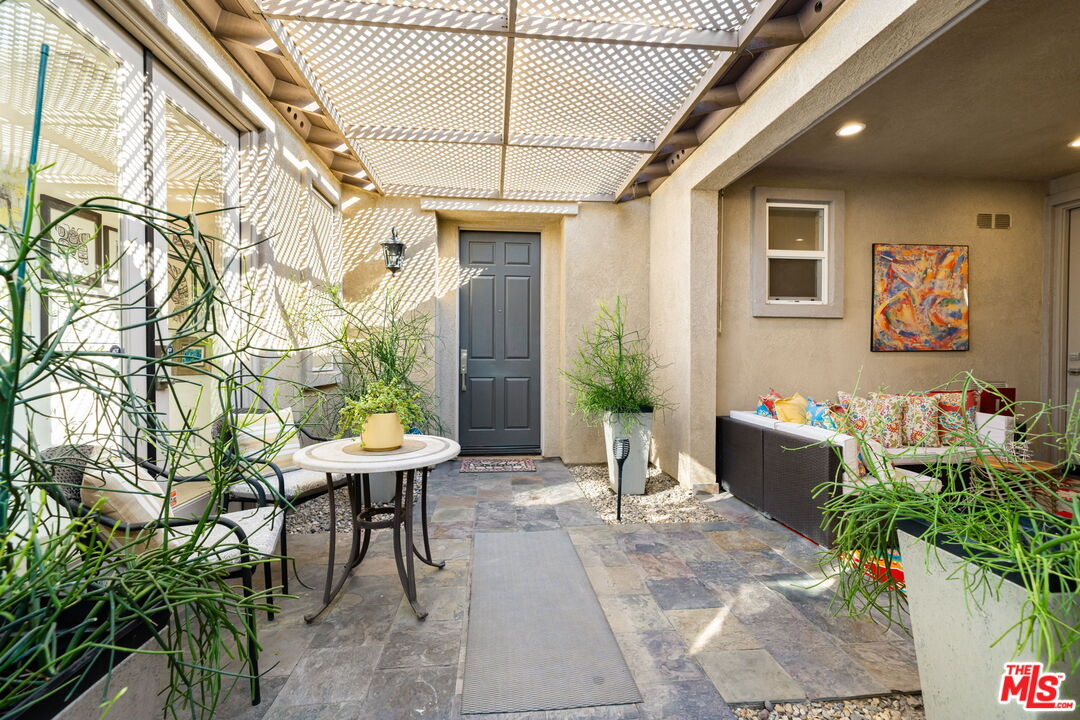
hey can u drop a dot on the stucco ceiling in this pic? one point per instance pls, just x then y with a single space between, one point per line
996 96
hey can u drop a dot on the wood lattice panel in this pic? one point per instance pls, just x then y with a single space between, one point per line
534 173
556 99
397 78
436 168
599 90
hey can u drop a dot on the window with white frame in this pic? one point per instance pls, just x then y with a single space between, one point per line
798 246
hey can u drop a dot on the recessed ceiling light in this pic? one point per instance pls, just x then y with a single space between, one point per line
1075 143
851 128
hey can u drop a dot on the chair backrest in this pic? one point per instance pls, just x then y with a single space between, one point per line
321 417
67 464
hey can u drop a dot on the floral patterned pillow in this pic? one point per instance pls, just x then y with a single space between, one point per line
921 421
887 419
855 412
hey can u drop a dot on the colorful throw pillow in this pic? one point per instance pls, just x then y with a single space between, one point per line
820 415
921 421
767 406
855 412
887 419
956 414
792 409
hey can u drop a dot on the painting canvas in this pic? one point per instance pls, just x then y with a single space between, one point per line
920 298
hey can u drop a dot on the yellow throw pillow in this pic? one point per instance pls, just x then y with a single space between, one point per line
792 409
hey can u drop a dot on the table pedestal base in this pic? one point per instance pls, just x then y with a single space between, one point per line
365 520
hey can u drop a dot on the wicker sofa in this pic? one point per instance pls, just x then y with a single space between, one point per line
776 466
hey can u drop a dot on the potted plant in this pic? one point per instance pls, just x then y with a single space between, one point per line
380 341
614 382
991 567
381 415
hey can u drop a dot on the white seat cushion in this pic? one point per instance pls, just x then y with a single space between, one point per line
297 484
753 418
927 455
261 525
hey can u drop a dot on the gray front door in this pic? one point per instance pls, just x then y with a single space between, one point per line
499 352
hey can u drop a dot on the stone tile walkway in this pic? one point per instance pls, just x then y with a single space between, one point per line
706 614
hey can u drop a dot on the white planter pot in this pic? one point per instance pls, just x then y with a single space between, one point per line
382 486
959 671
639 429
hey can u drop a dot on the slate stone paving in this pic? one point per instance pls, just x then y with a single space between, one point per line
707 614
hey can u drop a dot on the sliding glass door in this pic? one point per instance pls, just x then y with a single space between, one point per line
199 159
91 129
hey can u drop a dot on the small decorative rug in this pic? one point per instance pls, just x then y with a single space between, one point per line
538 638
485 465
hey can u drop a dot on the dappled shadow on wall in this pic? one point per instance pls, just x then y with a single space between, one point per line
424 276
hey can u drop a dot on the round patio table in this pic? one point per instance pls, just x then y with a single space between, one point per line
418 452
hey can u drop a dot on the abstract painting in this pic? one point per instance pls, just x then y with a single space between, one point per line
920 300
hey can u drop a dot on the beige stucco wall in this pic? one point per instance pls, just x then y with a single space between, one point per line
585 259
606 254
682 316
817 357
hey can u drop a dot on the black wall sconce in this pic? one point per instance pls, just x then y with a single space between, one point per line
393 252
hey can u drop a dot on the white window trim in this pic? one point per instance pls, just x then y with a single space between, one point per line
822 254
831 304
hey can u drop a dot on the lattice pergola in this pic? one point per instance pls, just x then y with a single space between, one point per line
517 99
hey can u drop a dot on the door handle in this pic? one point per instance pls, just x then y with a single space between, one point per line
1074 371
464 370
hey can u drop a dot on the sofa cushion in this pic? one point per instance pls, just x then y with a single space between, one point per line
956 413
927 455
792 409
887 419
121 490
767 405
921 421
820 415
856 412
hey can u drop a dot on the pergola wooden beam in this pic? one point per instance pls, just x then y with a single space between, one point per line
467 137
508 90
301 102
511 25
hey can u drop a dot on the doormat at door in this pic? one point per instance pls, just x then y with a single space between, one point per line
483 465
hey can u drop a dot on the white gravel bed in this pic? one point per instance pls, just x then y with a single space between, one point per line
890 707
664 501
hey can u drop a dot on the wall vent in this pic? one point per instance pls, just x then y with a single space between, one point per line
993 221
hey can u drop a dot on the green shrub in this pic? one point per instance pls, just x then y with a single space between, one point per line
615 370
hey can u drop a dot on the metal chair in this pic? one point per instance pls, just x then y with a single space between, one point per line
256 532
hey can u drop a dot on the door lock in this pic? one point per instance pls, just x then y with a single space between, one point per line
464 370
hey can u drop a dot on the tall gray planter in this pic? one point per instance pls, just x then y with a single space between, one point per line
638 428
959 671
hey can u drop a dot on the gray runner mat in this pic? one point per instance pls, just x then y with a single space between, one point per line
538 638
